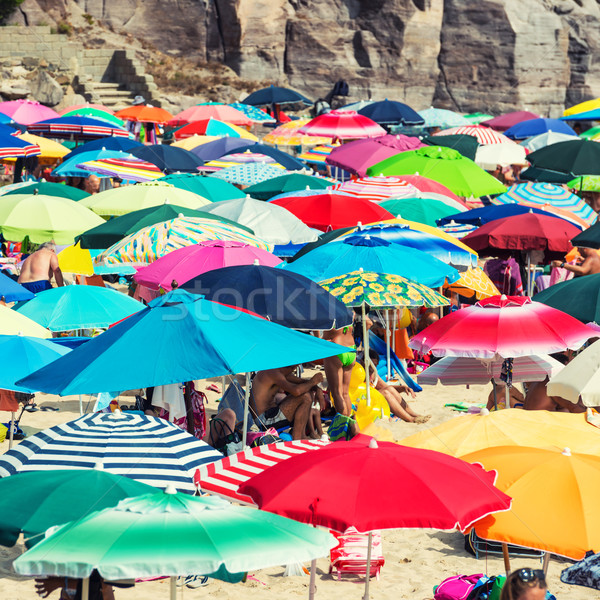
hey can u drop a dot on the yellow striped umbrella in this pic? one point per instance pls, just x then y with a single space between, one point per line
287 135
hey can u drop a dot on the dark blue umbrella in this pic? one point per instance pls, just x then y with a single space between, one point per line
281 296
217 148
276 95
11 291
390 112
108 143
168 159
284 159
481 216
532 127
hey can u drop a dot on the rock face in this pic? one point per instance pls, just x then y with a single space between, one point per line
490 55
46 90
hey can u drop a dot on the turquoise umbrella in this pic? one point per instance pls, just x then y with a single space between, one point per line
442 118
211 188
254 113
78 307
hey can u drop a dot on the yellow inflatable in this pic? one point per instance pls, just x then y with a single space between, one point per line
404 318
365 415
357 378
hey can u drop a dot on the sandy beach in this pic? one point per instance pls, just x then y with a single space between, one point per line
416 560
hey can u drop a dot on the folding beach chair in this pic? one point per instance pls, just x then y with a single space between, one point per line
350 555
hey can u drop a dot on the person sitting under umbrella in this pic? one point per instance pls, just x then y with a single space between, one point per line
525 584
589 266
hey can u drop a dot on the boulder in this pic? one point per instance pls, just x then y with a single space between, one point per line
46 90
14 90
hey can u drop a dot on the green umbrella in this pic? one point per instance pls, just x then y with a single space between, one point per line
90 111
126 199
545 175
49 188
478 117
585 183
577 157
588 238
31 503
465 144
213 189
446 166
173 534
44 218
590 133
286 183
419 210
110 232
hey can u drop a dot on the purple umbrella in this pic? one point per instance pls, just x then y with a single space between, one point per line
504 122
217 148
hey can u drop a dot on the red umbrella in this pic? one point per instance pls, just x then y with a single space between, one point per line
342 125
201 112
333 211
506 121
505 326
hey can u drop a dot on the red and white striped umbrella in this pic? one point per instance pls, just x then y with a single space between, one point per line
379 187
484 135
342 125
225 476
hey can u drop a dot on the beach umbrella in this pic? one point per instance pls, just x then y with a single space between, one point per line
126 199
585 183
533 127
48 188
144 114
126 167
146 449
270 222
11 146
43 218
13 323
545 175
110 143
212 189
391 112
212 127
318 154
189 262
210 110
78 307
279 295
474 282
342 125
11 291
477 117
74 259
429 187
218 147
167 158
288 134
588 115
249 173
377 188
490 156
545 139
420 210
31 503
258 151
152 242
444 165
442 118
95 113
510 119
80 165
86 106
577 157
77 127
484 135
591 133
290 182
582 107
50 150
381 256
588 238
502 326
569 524
26 112
511 427
178 337
467 145
256 115
276 95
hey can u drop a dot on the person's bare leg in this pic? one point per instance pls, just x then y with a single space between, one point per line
334 374
346 376
401 408
297 410
216 430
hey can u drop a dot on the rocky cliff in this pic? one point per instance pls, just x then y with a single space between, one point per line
489 55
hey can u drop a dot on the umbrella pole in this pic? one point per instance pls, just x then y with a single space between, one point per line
312 589
506 397
173 587
189 409
366 353
85 588
246 409
80 405
546 562
495 397
506 558
529 274
388 335
12 425
368 579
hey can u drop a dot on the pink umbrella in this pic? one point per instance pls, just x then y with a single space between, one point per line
356 157
342 125
186 263
504 122
429 187
27 112
484 135
221 112
381 188
504 326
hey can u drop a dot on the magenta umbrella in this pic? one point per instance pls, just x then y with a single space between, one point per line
342 125
504 122
357 156
27 112
186 263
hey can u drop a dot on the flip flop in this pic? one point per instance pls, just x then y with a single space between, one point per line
214 388
31 408
50 408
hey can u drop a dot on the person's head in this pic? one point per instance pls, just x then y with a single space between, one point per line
92 184
525 584
117 182
51 246
585 252
373 356
378 329
428 317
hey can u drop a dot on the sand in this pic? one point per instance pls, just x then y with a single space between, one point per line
416 560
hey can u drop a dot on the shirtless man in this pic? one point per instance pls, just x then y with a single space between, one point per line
293 409
38 268
589 266
92 184
537 398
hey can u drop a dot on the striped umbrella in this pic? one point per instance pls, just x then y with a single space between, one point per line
255 114
210 110
130 169
544 194
150 243
318 154
78 127
439 117
484 135
342 125
225 476
12 146
236 159
249 174
140 447
288 135
377 187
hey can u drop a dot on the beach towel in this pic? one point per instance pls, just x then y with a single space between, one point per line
586 572
505 275
170 398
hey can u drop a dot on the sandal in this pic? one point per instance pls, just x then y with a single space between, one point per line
49 408
31 408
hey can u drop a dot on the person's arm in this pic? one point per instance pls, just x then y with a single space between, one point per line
584 269
296 389
56 271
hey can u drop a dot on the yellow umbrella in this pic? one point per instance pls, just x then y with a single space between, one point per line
194 141
14 323
243 133
474 281
555 499
287 135
511 427
74 259
582 107
51 150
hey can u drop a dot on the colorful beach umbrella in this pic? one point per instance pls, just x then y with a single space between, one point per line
510 119
144 114
474 281
11 146
249 174
533 127
256 115
420 210
391 112
74 259
582 107
318 154
167 158
288 134
96 113
477 117
85 106
261 152
210 188
290 182
110 143
26 112
428 187
578 297
50 150
215 148
585 183
439 117
211 110
12 323
484 135
577 157
48 188
127 168
377 188
77 127
342 125
11 291
80 165
212 127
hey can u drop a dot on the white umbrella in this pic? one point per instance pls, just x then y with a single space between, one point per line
508 153
546 139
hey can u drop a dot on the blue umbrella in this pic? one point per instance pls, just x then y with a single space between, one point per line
276 95
77 126
210 188
390 112
217 148
78 307
177 337
588 115
68 168
442 118
378 255
284 159
481 216
531 127
109 143
12 146
11 291
168 159
279 295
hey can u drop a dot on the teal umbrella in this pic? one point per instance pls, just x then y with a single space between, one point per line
207 187
78 307
49 188
419 210
292 182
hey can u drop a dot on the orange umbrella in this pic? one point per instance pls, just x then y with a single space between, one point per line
145 114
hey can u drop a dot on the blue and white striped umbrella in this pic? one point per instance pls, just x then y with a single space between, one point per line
143 448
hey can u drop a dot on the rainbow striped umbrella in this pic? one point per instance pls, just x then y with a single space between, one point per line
150 243
288 135
379 187
484 135
249 173
130 169
318 154
538 194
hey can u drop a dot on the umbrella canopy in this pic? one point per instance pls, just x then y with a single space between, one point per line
50 150
377 188
484 135
288 134
421 210
577 157
168 158
13 323
276 95
222 112
11 291
217 147
444 165
74 259
532 127
429 186
126 199
333 211
189 262
31 503
44 218
144 114
490 156
585 183
78 165
212 127
178 337
22 355
125 167
467 145
279 295
582 107
381 290
478 117
258 151
589 238
508 120
545 139
525 232
26 112
390 112
78 307
147 449
578 297
48 188
345 484
152 242
164 533
110 143
474 282
439 117
256 115
546 175
332 260
96 113
569 524
342 125
291 182
213 189
271 223
77 127
502 326
12 146
249 173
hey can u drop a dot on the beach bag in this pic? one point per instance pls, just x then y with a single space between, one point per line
458 587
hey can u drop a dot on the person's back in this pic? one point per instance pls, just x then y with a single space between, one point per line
38 269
